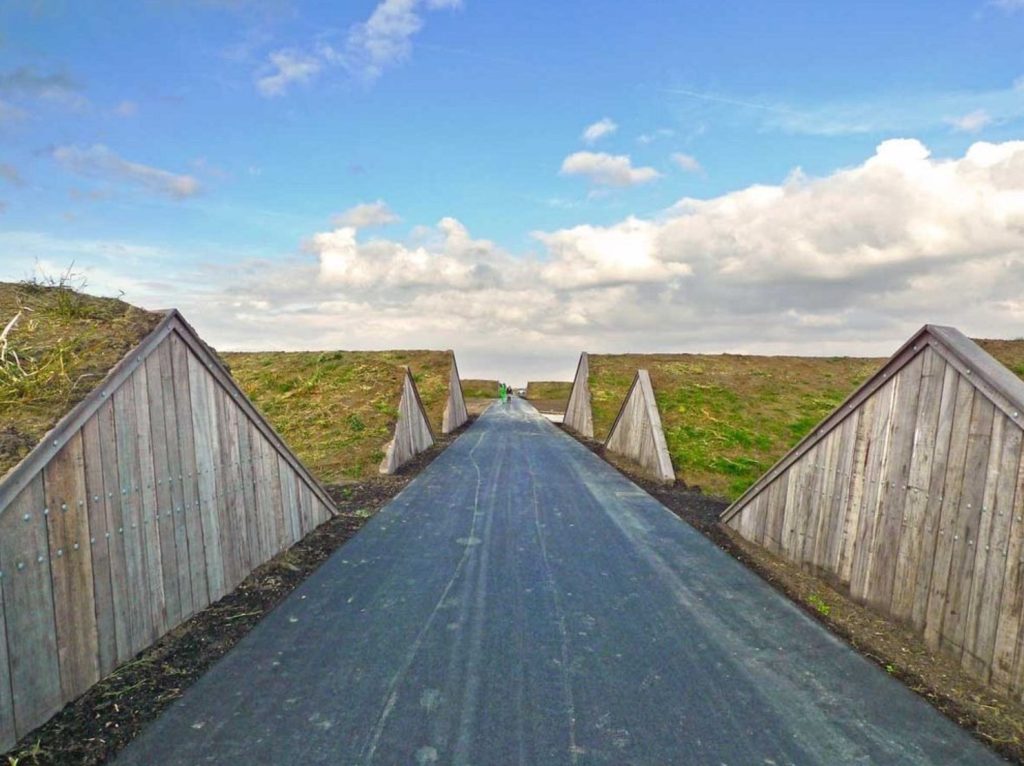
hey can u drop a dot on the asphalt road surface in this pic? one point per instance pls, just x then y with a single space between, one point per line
521 602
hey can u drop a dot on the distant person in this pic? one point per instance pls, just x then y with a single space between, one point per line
503 393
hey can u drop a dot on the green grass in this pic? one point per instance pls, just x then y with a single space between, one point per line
337 409
62 345
549 389
728 418
480 389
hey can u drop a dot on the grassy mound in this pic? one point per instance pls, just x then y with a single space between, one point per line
729 418
337 409
480 389
62 345
549 395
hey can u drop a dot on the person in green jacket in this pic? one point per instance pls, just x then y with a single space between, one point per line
504 393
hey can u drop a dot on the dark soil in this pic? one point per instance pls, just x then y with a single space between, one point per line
989 716
96 726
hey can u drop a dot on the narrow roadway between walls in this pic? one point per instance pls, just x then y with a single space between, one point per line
521 602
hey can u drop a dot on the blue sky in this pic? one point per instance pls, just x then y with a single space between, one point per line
195 153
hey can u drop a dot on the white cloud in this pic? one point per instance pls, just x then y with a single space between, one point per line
650 138
851 262
286 68
382 41
972 122
1009 5
99 162
686 162
452 259
365 215
607 169
598 130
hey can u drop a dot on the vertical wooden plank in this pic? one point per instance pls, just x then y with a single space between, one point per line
145 498
792 510
276 466
878 444
894 479
933 502
826 498
285 499
8 731
227 481
290 490
99 545
776 513
207 450
120 582
1011 608
841 504
968 519
175 484
74 604
250 515
160 516
265 513
923 452
865 416
28 609
282 525
949 508
190 476
991 562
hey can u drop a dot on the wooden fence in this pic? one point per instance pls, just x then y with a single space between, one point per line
911 495
150 500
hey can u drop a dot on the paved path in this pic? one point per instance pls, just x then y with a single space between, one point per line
523 603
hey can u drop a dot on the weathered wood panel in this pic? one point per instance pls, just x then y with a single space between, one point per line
911 495
147 502
74 606
28 609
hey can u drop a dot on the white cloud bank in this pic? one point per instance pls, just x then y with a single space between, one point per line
848 263
366 215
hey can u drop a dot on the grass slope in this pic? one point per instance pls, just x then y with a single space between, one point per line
63 344
548 389
473 388
337 409
728 418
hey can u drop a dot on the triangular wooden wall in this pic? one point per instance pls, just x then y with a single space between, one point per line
911 494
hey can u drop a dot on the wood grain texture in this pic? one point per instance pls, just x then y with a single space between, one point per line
28 609
912 496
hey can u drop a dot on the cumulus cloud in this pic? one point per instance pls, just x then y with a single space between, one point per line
287 67
365 215
607 169
598 130
449 257
99 162
972 122
851 262
686 162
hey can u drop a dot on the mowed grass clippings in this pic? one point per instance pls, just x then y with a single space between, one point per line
728 418
337 409
61 347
